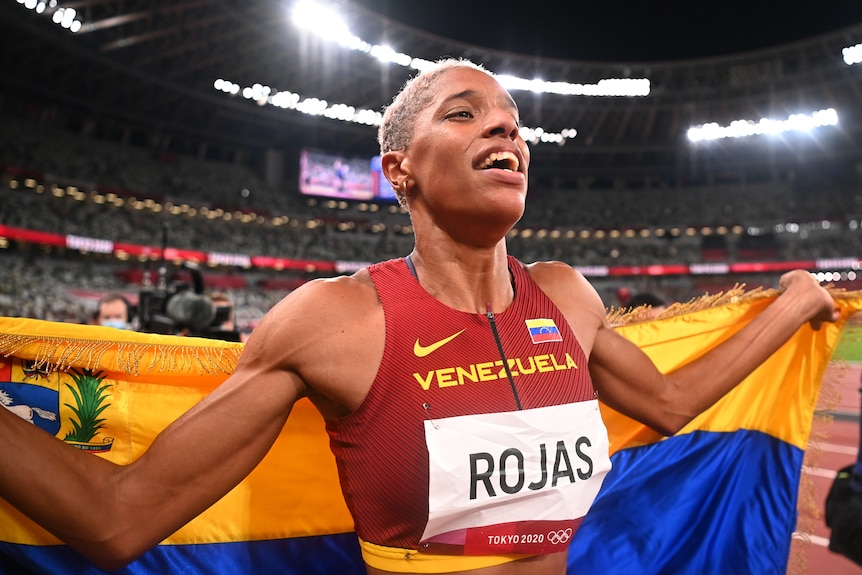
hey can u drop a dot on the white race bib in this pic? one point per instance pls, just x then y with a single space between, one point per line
514 482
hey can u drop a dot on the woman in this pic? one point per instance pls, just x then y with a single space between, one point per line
465 378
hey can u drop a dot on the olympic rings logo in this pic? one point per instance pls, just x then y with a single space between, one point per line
560 537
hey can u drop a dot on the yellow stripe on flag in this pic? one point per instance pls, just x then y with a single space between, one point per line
153 379
760 402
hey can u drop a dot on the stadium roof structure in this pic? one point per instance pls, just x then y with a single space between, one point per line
151 67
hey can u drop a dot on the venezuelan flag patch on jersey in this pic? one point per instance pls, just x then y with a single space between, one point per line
543 330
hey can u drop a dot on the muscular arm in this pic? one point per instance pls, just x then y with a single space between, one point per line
627 379
113 513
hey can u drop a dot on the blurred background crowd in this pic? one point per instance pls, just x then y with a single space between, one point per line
124 153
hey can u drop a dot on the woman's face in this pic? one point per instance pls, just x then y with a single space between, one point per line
467 159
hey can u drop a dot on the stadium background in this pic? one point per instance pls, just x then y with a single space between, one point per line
115 144
127 106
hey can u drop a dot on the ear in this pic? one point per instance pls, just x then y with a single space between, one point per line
392 166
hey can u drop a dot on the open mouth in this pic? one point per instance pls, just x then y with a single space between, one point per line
502 161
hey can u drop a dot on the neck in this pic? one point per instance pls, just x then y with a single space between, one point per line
467 285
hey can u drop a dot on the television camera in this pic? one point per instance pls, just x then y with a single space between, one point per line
178 307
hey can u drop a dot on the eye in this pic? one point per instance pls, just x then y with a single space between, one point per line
459 115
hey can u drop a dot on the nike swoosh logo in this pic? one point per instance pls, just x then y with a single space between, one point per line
420 350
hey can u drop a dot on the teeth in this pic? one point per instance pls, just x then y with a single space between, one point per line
509 160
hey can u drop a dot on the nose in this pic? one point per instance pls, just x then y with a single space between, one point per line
502 123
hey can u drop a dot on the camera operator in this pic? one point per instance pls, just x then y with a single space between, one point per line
184 309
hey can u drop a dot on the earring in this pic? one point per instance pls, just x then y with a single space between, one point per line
404 185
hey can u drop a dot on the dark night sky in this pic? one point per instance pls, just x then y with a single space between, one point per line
619 30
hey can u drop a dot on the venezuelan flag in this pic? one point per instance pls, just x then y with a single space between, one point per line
543 330
719 497
287 516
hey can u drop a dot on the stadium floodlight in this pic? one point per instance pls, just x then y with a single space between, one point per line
65 17
765 126
536 135
327 24
286 100
320 20
387 54
852 54
605 87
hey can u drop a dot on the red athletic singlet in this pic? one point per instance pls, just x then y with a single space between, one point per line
441 363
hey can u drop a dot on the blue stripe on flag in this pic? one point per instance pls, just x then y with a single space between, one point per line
323 555
701 503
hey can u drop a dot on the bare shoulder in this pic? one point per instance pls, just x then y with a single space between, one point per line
328 335
552 271
339 296
560 280
574 295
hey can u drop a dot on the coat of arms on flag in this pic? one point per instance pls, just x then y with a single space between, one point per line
70 404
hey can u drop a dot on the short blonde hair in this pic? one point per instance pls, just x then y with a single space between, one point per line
396 131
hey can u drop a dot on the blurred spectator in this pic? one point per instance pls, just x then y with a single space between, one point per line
624 294
115 311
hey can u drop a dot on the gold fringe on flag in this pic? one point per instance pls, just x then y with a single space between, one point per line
52 346
628 315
